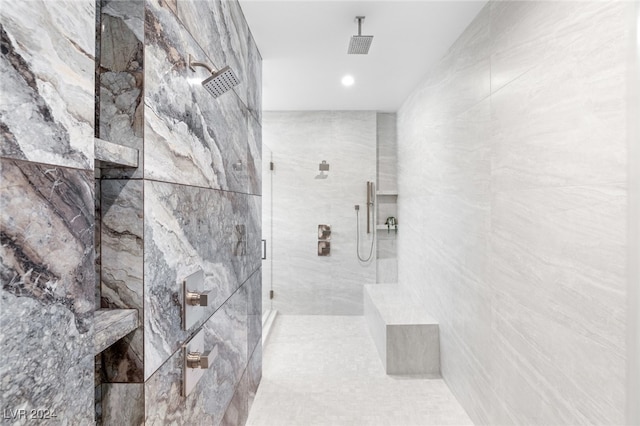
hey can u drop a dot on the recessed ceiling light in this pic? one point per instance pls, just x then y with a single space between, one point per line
347 80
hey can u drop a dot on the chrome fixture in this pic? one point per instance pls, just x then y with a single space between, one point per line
324 248
324 240
371 216
359 44
197 299
370 197
391 221
194 298
195 361
221 81
324 232
323 167
198 360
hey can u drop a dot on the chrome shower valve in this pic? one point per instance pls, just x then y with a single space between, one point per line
198 360
197 299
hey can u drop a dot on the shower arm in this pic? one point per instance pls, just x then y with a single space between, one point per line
193 63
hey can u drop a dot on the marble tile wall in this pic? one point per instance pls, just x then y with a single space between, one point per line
513 205
121 73
47 209
154 222
201 208
47 296
223 34
178 242
123 404
119 119
254 312
45 77
212 133
254 155
303 282
254 371
122 269
226 337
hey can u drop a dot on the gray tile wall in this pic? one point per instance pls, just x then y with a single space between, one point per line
47 263
512 195
197 209
202 207
194 202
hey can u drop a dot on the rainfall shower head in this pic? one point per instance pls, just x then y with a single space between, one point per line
359 44
221 81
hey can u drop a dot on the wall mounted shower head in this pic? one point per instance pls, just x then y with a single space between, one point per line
220 81
359 44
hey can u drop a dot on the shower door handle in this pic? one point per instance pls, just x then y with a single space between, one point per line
264 249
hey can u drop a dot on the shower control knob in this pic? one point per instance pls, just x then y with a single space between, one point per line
198 299
198 360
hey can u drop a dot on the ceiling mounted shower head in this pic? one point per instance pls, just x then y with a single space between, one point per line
220 81
359 44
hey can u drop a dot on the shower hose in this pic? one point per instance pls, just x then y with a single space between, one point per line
373 238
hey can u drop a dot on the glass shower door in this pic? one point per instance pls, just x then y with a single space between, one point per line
267 229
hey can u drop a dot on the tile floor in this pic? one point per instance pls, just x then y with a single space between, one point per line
324 370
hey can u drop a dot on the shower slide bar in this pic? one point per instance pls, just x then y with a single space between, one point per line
370 195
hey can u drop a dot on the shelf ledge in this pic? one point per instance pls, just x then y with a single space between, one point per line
387 193
112 325
112 154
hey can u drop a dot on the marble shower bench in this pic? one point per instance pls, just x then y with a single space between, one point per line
407 339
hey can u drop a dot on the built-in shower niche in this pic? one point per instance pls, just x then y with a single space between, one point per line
115 320
119 337
119 221
387 225
115 317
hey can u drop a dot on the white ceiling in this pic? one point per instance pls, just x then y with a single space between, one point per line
304 49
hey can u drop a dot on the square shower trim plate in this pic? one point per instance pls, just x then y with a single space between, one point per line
194 283
191 376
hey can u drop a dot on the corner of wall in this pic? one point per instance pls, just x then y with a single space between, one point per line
633 214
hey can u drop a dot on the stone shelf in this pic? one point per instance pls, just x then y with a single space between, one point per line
392 230
112 325
111 154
